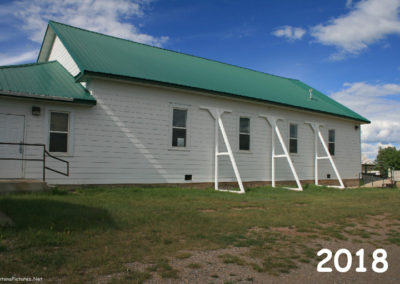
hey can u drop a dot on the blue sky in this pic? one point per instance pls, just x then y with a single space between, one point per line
346 49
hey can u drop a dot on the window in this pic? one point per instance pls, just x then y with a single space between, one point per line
179 131
244 133
331 142
59 132
293 138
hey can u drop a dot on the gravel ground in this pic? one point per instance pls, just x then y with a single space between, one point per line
209 266
213 270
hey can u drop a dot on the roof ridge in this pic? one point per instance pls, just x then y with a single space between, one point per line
169 50
27 64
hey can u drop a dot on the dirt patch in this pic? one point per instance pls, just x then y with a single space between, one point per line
257 230
206 210
208 267
286 231
381 221
291 231
373 229
248 208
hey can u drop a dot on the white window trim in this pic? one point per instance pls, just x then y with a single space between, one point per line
334 142
70 144
288 131
173 106
250 117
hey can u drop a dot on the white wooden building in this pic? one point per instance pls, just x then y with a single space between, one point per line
126 113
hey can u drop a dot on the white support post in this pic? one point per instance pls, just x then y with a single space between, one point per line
317 134
272 120
272 155
216 155
217 114
315 158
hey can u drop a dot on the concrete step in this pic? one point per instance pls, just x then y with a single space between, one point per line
21 185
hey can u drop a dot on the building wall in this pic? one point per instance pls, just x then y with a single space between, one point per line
59 52
126 138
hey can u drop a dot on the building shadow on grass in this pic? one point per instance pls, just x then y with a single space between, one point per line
44 214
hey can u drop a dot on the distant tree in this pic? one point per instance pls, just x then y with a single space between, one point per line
387 158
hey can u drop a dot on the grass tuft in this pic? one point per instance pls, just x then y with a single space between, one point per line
136 277
183 255
194 265
163 268
228 258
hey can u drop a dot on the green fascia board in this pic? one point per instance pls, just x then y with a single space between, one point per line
102 54
48 81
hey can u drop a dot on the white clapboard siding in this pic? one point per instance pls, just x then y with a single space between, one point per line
59 52
126 138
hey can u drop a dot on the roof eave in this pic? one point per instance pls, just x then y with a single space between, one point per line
85 74
46 97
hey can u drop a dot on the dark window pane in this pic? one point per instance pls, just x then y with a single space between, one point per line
244 142
59 121
178 137
58 142
332 148
293 130
244 125
293 146
179 118
332 135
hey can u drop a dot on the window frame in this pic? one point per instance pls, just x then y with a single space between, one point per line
332 142
242 133
290 138
68 132
173 106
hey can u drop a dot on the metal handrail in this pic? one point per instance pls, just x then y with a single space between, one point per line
43 160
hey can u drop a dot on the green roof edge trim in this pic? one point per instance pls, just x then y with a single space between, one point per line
41 46
26 64
81 76
47 98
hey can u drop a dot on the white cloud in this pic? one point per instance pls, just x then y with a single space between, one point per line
379 103
349 3
370 150
20 58
368 22
291 33
108 17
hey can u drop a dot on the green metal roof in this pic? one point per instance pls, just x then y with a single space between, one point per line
107 55
42 81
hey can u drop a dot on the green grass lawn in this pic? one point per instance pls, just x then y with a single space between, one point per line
77 236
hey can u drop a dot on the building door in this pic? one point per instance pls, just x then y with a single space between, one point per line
11 130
